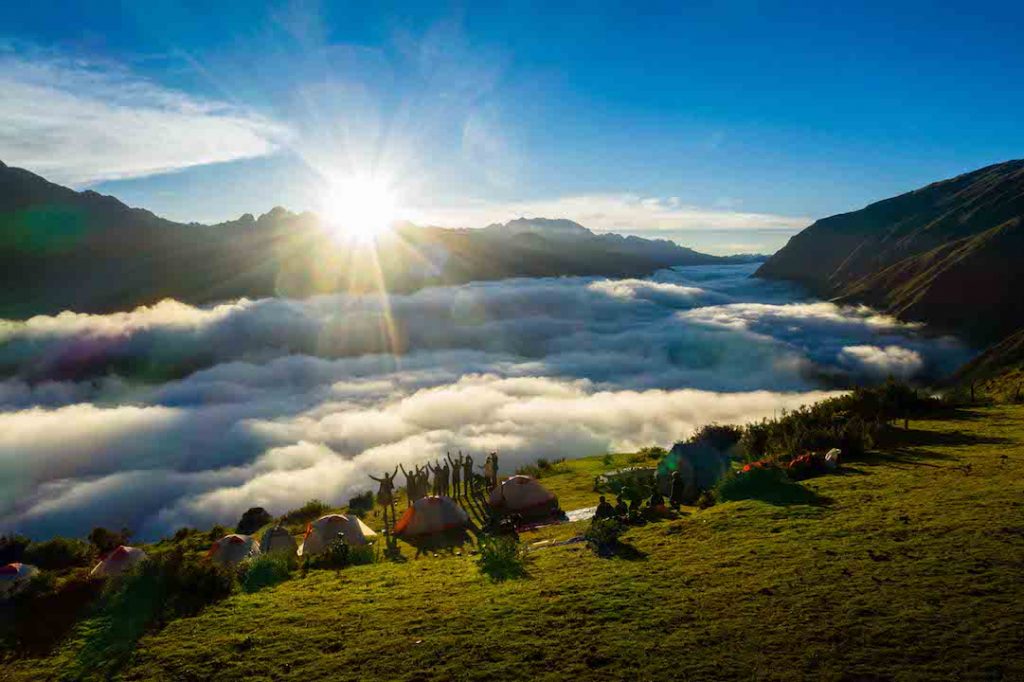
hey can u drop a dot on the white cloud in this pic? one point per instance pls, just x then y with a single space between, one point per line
621 212
79 122
276 401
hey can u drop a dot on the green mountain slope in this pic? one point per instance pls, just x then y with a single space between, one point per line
947 254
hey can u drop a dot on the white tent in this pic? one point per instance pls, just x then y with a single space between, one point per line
523 495
430 515
231 549
321 532
14 577
278 540
118 561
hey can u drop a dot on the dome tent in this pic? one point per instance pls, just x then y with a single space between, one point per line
118 561
277 540
320 532
431 515
523 495
231 549
700 466
15 577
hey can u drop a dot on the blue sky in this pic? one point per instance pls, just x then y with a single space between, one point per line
723 125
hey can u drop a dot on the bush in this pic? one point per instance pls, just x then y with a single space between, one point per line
766 483
360 555
104 540
603 535
164 587
854 423
361 504
216 533
58 554
336 555
721 437
12 548
501 557
706 500
265 570
252 520
310 511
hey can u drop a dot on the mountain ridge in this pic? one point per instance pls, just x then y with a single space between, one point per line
66 250
947 254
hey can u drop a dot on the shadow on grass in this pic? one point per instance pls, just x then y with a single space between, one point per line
920 437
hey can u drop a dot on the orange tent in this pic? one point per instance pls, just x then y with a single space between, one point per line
118 561
231 549
14 577
430 515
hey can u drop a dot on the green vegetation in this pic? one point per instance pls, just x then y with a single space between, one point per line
906 564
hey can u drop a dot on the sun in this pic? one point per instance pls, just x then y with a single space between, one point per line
360 209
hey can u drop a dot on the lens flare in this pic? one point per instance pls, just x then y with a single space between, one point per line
359 209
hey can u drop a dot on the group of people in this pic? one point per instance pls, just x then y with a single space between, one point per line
655 504
451 477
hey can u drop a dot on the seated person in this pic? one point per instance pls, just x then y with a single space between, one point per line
604 510
621 510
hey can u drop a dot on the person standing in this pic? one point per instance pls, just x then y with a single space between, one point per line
456 465
467 472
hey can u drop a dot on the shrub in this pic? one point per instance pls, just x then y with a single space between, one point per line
310 511
722 437
265 570
603 535
360 555
104 540
336 555
608 460
706 500
854 423
58 553
361 504
501 557
216 533
750 484
12 548
252 520
529 470
166 586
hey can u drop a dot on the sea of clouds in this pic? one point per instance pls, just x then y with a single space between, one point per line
175 415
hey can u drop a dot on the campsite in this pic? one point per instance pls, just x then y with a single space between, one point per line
907 558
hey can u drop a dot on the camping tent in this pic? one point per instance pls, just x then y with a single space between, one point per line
320 533
700 466
523 495
278 540
231 549
118 561
14 577
430 515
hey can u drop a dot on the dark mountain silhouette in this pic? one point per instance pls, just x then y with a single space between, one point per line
67 250
948 254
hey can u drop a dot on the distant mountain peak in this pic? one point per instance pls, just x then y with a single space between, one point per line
561 227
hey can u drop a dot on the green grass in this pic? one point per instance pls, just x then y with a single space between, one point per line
909 565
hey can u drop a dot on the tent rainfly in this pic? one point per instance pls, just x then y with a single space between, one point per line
278 540
523 495
14 578
431 515
118 561
231 549
321 532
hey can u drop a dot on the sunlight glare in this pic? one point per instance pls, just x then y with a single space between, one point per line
359 209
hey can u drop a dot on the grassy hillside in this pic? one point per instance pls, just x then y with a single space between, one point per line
905 566
947 254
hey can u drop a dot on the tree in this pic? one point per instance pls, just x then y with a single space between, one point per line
252 520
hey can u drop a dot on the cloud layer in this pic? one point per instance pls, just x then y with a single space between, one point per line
173 415
77 122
